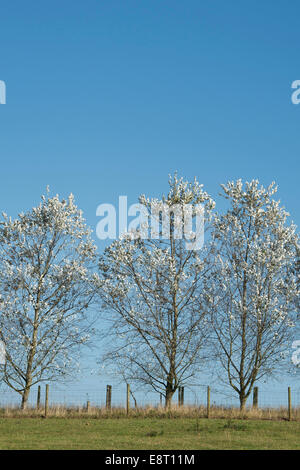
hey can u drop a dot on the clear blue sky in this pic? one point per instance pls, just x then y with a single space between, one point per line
107 97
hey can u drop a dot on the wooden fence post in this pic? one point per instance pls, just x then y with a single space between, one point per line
128 399
38 400
180 396
255 397
289 404
88 406
46 401
108 397
160 399
208 401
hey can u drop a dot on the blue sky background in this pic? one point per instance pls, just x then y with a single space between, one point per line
107 97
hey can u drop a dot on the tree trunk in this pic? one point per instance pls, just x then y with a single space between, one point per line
28 378
169 395
243 400
28 381
25 396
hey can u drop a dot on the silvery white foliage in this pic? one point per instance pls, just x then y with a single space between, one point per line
149 289
46 256
182 192
252 290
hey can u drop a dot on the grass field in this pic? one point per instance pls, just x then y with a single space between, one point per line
147 433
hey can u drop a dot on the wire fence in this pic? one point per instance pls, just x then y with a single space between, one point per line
117 396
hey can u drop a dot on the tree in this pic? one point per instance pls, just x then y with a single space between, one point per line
295 359
45 259
252 289
297 274
148 287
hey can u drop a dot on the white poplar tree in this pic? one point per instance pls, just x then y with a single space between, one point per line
46 256
148 288
252 290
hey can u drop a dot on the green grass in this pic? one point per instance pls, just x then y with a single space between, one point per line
147 433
